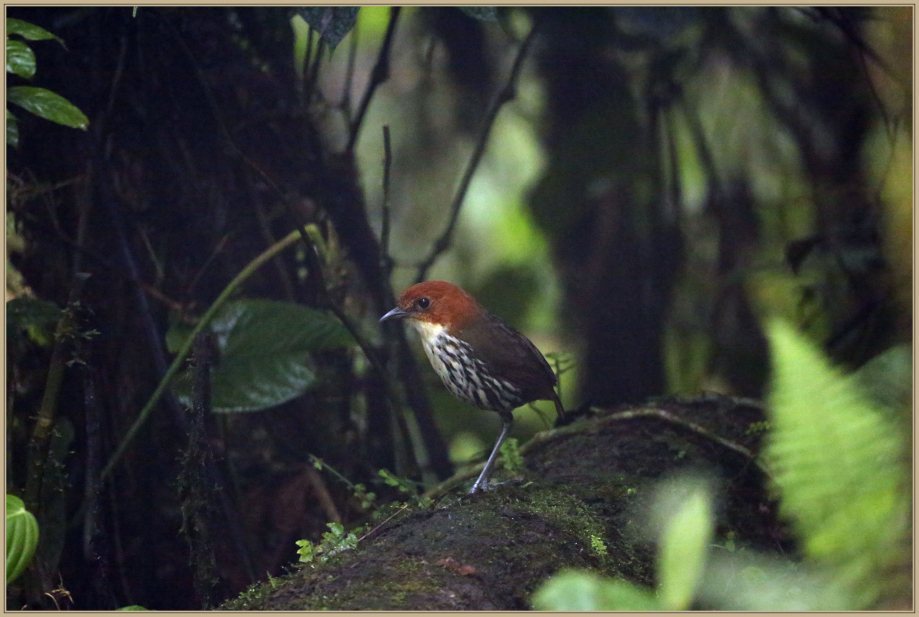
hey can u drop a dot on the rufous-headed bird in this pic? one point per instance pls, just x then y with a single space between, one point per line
481 360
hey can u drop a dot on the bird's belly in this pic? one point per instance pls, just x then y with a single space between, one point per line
467 378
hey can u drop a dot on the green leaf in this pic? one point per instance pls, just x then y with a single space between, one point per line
482 13
573 590
20 59
307 550
264 347
29 31
12 130
47 105
133 607
840 464
332 23
683 548
21 537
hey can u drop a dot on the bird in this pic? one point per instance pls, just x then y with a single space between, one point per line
480 359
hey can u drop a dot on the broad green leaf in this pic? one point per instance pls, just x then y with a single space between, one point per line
20 59
21 537
29 31
48 105
482 13
132 607
264 347
683 548
573 590
12 130
332 23
838 462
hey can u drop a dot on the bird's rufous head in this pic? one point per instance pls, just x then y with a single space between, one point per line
435 302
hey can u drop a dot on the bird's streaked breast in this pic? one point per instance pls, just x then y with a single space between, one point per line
464 375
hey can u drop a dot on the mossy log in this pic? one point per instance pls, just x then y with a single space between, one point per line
580 504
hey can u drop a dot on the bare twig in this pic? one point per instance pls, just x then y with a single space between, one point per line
313 78
387 262
388 518
322 493
307 59
501 97
345 102
379 75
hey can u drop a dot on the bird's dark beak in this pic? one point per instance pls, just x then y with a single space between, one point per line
396 313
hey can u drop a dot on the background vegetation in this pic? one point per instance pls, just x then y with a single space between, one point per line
644 186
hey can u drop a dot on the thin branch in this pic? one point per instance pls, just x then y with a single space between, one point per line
322 493
388 518
304 78
506 94
379 75
345 102
387 261
313 78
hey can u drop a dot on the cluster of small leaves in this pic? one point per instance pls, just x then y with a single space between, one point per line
406 486
360 491
333 542
20 60
513 460
598 545
758 427
366 498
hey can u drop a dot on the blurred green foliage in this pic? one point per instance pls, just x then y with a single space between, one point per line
840 467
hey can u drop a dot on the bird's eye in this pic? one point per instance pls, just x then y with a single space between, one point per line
423 303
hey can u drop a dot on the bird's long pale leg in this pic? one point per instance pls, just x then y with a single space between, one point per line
486 472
